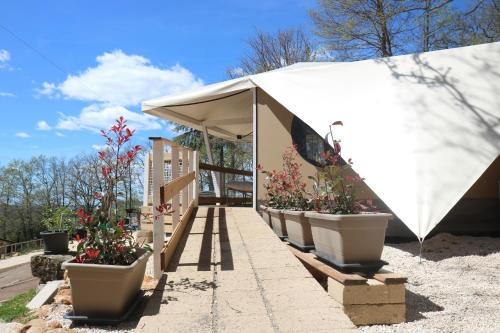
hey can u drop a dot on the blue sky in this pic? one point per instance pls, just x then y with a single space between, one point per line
116 53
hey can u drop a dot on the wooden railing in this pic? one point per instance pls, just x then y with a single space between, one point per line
224 198
185 183
12 249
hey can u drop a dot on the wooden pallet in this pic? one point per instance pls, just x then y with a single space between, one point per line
367 300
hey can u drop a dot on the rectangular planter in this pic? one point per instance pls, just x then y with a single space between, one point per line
345 239
265 215
105 291
298 229
278 222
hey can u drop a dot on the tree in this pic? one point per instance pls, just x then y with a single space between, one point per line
482 22
438 25
362 29
267 52
365 29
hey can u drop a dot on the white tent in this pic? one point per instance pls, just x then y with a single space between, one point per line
420 128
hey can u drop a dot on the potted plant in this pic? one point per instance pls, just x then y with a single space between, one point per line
58 224
265 214
287 196
274 185
109 266
345 231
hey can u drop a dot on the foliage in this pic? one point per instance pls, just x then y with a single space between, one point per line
366 29
15 308
236 155
285 188
56 219
29 187
107 241
268 52
335 183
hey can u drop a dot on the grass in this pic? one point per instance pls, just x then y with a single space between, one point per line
15 308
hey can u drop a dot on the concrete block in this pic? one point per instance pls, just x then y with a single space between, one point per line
44 295
370 314
373 292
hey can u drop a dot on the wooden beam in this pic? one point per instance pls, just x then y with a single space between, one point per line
211 167
174 195
169 249
185 189
196 184
224 200
312 263
169 190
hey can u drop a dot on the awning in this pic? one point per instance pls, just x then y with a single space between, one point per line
421 129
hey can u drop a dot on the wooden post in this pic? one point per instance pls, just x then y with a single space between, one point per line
175 174
158 228
191 169
196 184
145 197
185 164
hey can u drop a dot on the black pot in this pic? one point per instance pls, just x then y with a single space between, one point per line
55 242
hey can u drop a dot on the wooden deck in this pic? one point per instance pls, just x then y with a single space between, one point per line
230 273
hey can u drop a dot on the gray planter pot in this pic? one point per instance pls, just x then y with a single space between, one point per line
105 291
265 215
278 222
55 242
298 229
346 239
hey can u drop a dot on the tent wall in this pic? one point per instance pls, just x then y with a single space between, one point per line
478 212
274 124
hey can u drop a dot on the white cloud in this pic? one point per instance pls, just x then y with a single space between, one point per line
23 135
4 59
6 94
236 72
98 116
47 89
59 134
42 125
122 79
99 147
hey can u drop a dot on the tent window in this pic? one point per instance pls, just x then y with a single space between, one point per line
310 144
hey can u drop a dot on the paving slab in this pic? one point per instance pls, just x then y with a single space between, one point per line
231 273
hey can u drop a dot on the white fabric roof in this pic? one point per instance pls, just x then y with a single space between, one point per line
420 128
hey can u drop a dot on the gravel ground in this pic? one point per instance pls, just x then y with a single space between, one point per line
455 288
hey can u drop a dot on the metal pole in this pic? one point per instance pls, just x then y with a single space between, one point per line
211 161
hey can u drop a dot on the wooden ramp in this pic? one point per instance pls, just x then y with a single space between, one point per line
230 273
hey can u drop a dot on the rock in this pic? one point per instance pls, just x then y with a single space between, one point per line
36 329
36 323
54 324
48 266
43 311
63 296
14 328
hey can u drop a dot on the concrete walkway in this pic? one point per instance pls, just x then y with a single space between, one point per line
13 262
232 274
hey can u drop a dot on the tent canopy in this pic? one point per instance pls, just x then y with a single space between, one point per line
420 128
